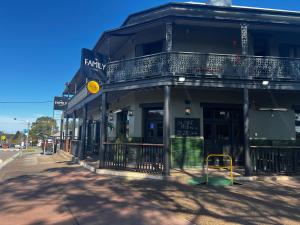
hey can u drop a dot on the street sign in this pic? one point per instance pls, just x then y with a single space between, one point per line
3 137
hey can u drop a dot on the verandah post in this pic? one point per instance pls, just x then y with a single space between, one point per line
248 170
82 153
103 128
166 129
245 51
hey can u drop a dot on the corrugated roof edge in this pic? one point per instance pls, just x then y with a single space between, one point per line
211 6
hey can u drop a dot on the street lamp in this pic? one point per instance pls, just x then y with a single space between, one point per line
27 135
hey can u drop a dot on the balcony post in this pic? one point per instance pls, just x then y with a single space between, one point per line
248 170
244 39
102 130
82 153
166 129
169 37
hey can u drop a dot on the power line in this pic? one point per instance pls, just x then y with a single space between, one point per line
27 102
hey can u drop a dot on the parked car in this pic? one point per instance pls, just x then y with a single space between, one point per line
11 146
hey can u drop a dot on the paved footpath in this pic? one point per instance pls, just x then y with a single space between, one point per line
43 190
7 153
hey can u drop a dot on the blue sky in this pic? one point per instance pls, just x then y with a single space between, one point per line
40 44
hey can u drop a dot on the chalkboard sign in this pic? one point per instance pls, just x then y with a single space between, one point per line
187 127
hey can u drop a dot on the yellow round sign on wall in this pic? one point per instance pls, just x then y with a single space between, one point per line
93 87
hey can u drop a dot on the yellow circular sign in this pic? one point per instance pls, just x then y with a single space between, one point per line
93 87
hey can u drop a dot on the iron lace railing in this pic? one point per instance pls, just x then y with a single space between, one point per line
193 64
275 159
148 158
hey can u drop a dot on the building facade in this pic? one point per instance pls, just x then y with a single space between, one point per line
184 80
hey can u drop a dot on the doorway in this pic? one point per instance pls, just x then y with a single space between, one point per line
153 125
223 133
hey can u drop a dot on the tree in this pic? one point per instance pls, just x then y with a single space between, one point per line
42 128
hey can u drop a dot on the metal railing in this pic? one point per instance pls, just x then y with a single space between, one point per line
148 158
275 160
197 64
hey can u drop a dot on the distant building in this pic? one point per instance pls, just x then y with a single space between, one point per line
185 80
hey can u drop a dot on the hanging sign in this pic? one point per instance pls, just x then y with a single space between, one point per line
93 87
93 65
60 103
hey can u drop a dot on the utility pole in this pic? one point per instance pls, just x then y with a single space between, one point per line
27 135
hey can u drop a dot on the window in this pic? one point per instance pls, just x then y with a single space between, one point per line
153 123
297 124
261 47
292 51
149 48
122 124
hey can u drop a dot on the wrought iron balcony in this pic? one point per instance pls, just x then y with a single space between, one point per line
196 65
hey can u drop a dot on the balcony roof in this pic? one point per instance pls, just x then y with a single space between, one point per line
194 10
201 9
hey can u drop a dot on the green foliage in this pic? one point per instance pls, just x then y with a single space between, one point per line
42 128
17 138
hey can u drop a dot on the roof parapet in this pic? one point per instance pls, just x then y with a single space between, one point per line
224 3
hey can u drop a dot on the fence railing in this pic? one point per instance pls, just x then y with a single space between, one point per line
148 158
198 64
275 160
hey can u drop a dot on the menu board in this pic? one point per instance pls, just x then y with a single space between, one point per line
187 127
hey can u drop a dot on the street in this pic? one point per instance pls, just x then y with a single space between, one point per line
43 189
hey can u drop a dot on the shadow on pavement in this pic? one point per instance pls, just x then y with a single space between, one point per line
94 199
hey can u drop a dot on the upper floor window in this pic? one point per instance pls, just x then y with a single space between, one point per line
261 47
149 48
287 50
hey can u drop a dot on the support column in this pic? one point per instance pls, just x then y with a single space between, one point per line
61 133
66 147
248 170
73 128
166 129
169 37
103 128
82 152
245 52
75 153
244 39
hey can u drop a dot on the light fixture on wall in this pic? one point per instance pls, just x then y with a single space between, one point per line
273 109
181 79
130 113
117 111
188 109
265 82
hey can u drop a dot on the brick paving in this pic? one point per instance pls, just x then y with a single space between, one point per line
42 190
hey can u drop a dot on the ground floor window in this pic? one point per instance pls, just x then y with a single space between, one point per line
153 125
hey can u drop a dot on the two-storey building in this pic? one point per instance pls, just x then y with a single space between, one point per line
185 80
